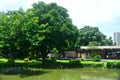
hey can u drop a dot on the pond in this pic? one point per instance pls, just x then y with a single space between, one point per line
66 74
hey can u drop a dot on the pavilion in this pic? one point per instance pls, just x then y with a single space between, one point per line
106 52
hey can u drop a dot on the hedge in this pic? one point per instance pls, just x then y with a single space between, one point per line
70 64
114 64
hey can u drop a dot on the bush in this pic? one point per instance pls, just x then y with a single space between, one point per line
82 59
24 64
113 64
118 65
11 60
50 61
97 58
110 64
26 59
75 63
93 64
1 57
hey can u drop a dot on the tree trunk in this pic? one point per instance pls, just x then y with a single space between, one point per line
43 59
32 53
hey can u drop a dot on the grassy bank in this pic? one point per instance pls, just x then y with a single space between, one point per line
50 63
58 69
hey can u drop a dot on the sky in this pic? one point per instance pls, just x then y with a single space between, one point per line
104 14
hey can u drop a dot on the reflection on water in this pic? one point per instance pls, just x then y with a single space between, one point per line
69 74
89 74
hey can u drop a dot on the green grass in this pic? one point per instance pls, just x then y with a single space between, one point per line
113 60
3 60
62 61
17 61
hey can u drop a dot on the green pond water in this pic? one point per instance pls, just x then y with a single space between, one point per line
66 74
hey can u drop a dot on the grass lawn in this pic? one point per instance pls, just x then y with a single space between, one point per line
113 60
17 60
3 60
62 61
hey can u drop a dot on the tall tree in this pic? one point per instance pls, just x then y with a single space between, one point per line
91 35
55 26
39 29
11 26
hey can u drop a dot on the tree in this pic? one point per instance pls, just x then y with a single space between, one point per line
91 35
10 27
56 27
38 30
6 34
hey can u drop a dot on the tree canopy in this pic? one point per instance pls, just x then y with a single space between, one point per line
92 36
40 29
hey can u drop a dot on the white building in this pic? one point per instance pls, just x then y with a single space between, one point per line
117 38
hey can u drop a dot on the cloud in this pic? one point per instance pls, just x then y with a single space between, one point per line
9 5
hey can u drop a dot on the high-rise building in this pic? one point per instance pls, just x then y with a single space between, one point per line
117 38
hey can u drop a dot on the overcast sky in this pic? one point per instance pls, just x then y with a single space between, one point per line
104 14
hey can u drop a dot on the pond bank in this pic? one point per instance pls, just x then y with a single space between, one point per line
56 64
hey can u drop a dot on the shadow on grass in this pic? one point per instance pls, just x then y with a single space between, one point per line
22 71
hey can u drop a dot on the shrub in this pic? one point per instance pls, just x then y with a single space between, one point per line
89 56
75 63
1 57
81 59
110 64
97 58
11 60
113 64
93 64
50 61
26 59
118 65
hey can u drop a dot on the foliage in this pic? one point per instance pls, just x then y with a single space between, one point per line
93 43
55 51
11 61
92 36
90 56
50 63
82 59
92 64
26 59
73 62
43 28
113 64
36 31
22 64
93 57
97 57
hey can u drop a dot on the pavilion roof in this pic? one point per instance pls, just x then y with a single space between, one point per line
100 47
